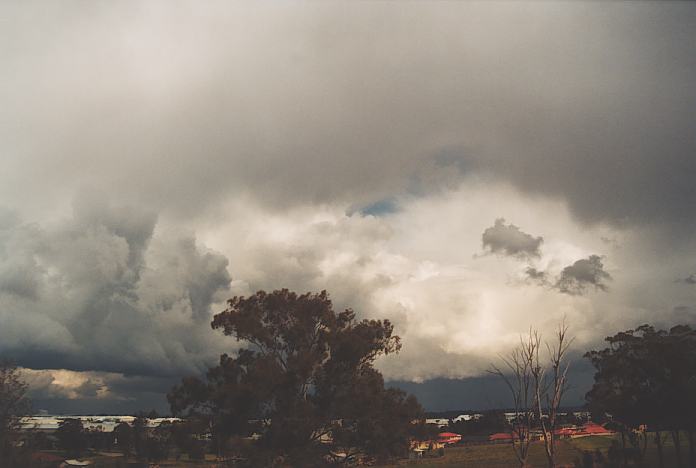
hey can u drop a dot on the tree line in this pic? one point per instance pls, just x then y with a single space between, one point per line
645 384
303 391
644 388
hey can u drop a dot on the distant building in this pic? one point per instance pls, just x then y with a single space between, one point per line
45 423
449 438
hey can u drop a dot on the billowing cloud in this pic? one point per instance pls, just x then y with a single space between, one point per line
508 239
94 392
584 274
361 148
98 292
64 384
453 310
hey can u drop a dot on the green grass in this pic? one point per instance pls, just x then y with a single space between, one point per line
569 450
592 443
482 456
495 456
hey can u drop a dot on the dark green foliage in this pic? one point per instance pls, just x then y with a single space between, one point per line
305 385
146 443
488 423
72 437
13 404
646 379
184 436
124 438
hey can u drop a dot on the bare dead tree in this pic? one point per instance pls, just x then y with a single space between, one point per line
536 389
550 389
517 373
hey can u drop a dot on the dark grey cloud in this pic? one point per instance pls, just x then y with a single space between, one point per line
508 239
98 292
683 315
584 274
181 111
96 392
536 276
300 112
577 279
691 279
486 392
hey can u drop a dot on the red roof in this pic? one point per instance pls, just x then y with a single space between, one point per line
500 436
448 434
594 429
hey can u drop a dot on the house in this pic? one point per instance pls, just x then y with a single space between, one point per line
592 429
468 417
500 437
426 445
448 438
439 422
565 432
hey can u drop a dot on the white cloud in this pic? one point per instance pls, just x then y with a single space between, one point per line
419 267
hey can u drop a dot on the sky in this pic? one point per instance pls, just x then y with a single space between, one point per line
466 170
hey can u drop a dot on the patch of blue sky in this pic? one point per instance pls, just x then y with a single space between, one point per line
380 208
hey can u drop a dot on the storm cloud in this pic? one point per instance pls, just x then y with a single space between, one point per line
96 291
313 111
159 157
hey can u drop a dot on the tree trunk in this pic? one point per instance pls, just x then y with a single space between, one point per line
548 447
623 448
552 451
658 442
692 451
677 446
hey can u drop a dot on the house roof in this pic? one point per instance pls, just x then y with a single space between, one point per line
595 429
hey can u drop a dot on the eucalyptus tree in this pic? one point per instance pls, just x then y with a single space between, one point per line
304 377
646 378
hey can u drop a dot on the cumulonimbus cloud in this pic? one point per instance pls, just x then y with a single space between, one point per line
98 291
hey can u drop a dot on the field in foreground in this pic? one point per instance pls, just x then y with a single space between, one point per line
474 456
502 456
569 452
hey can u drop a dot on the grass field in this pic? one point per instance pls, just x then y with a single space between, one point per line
569 451
498 456
475 456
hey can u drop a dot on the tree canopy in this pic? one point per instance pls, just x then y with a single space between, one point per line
304 383
14 403
72 436
647 377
